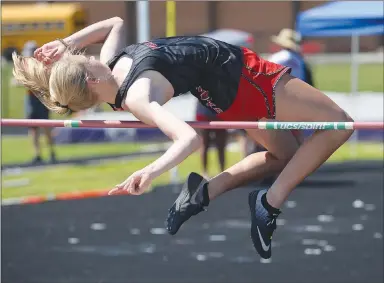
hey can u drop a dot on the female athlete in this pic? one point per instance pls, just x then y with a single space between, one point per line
233 82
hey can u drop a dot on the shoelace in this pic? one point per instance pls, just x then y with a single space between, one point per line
272 219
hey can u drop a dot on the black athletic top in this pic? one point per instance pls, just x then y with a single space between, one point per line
208 68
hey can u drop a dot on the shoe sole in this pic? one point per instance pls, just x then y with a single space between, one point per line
252 197
193 180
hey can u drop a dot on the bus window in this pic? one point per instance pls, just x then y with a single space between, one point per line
35 26
47 26
60 25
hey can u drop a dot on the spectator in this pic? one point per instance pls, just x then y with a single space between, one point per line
290 55
218 137
36 110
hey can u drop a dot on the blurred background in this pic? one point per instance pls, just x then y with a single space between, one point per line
338 47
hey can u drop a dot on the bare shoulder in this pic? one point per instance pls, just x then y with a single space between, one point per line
122 68
153 85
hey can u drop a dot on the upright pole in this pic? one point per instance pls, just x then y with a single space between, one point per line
354 64
143 21
5 89
354 85
295 10
171 31
171 18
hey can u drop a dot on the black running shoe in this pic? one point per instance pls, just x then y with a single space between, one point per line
191 201
263 224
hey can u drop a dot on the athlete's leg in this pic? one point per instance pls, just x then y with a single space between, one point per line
295 101
281 146
298 101
197 192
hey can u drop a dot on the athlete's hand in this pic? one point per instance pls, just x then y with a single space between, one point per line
136 184
50 52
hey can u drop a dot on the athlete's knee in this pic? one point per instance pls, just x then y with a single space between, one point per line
280 161
285 153
347 118
342 116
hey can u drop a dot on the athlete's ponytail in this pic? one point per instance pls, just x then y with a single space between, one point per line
61 87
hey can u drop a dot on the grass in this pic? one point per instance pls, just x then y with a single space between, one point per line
107 174
19 149
337 77
328 77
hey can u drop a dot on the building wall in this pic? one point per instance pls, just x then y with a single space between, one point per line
191 17
262 19
101 10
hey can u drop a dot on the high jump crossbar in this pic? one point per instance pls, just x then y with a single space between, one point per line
270 125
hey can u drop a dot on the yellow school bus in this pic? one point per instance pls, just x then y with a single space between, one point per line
42 22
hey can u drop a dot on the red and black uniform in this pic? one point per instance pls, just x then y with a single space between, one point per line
232 82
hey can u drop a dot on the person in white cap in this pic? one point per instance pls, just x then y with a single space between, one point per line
290 54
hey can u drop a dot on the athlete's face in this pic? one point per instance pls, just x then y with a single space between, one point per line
100 80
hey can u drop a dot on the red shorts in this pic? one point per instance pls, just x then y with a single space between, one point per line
255 98
203 118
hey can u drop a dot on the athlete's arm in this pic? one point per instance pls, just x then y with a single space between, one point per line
144 100
111 32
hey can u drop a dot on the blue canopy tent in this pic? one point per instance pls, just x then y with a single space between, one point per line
344 18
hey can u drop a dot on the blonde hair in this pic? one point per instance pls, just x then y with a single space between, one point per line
60 87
